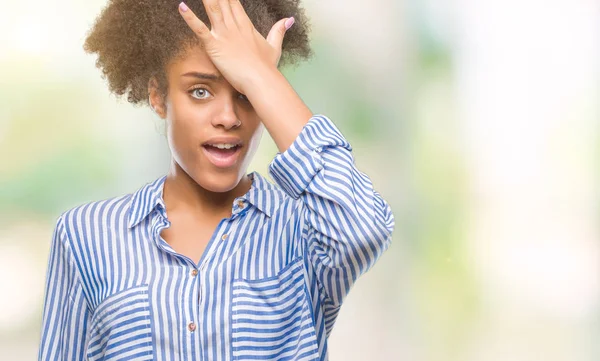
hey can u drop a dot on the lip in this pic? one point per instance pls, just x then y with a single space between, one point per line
224 140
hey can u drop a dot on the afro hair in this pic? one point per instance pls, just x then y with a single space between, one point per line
135 39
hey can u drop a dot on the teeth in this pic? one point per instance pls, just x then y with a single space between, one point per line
223 146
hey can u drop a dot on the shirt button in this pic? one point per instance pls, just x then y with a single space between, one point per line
241 204
194 272
192 327
224 237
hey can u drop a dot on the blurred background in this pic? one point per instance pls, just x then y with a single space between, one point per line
477 120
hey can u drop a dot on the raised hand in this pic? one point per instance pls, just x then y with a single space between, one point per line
236 48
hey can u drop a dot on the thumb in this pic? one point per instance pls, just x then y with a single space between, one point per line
275 36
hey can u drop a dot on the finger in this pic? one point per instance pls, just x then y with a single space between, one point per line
214 12
239 14
228 19
275 36
197 26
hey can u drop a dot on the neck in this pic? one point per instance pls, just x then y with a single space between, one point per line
182 193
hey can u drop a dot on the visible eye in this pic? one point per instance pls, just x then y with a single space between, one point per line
200 93
243 97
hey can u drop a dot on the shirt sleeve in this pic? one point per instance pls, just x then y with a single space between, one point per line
349 224
66 315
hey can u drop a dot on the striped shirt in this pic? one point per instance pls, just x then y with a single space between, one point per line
269 285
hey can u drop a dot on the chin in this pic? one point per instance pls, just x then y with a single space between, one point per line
219 181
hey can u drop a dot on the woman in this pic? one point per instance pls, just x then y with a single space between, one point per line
208 262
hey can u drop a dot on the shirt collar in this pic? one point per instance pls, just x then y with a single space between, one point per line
145 199
262 194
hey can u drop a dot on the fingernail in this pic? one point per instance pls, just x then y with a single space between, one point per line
289 22
183 6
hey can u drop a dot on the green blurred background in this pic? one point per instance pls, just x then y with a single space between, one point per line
477 120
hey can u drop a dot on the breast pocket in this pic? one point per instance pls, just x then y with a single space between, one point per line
271 318
121 327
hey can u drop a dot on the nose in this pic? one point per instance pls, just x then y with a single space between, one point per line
226 117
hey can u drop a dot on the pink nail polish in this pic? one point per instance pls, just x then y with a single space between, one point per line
289 22
183 6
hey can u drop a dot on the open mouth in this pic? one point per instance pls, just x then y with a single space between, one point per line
222 155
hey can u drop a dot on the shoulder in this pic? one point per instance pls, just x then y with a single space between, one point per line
112 213
90 216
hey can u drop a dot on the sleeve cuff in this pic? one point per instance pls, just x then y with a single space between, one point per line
294 169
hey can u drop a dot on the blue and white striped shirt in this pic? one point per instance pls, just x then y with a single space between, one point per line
268 286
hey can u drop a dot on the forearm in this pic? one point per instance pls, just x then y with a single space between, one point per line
282 111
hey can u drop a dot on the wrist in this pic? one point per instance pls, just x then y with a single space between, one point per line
261 77
274 99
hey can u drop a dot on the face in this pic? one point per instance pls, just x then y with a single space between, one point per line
212 129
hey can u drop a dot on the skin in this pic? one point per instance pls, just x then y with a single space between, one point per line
233 60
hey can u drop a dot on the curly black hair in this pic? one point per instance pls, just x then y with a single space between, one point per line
135 39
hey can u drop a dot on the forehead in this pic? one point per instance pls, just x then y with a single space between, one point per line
193 59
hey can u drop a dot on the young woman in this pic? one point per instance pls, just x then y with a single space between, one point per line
208 262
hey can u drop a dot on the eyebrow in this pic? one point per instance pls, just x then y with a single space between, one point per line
206 76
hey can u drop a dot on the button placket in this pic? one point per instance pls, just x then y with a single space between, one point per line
214 245
200 285
192 314
195 283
